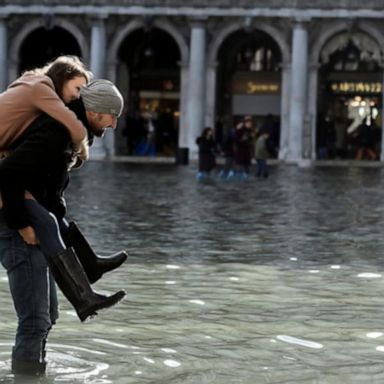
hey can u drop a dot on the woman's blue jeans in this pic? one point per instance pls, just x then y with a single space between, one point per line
47 228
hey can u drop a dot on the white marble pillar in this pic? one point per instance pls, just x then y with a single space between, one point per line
298 92
196 85
210 92
284 120
105 146
3 54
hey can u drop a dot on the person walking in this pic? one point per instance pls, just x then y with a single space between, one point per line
227 172
243 147
207 159
39 164
47 90
262 154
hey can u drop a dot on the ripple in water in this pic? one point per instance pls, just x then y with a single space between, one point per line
301 342
72 364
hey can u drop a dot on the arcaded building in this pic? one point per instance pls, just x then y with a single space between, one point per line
314 68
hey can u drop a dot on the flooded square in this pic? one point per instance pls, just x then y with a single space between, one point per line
259 281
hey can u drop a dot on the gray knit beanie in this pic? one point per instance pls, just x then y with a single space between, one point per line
102 96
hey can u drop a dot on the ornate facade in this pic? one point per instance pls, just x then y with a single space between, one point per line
315 65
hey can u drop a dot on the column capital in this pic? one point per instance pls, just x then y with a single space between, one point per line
314 65
300 22
97 18
197 21
183 64
212 64
286 65
248 23
113 62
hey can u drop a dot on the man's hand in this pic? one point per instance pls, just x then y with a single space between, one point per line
82 151
29 236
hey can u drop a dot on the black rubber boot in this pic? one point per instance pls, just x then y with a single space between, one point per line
73 282
94 266
28 367
33 368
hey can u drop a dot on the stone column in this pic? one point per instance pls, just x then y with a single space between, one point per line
3 54
101 147
382 115
196 85
182 150
312 105
211 95
284 120
298 92
98 46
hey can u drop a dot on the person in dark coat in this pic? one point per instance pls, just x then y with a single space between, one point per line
243 147
228 147
207 159
366 141
39 164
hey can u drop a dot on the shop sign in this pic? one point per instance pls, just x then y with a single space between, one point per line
255 83
355 87
253 87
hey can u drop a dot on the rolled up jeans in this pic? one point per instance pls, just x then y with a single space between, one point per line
33 292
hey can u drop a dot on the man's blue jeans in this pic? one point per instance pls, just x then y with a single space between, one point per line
33 292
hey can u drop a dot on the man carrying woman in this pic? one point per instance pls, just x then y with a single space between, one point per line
41 153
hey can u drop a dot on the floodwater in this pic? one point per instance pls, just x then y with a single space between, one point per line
260 281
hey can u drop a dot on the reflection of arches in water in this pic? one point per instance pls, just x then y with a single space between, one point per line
151 77
350 90
43 45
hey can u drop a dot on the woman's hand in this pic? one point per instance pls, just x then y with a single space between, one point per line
29 236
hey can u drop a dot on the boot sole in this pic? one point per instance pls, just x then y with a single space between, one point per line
108 303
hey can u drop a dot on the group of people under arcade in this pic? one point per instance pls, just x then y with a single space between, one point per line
341 138
149 133
238 147
50 116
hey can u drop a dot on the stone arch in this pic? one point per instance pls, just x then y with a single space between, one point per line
38 23
274 33
116 71
325 36
372 32
28 28
140 23
277 36
339 27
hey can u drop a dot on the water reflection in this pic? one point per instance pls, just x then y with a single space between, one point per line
276 281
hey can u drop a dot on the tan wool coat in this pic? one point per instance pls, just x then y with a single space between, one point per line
25 99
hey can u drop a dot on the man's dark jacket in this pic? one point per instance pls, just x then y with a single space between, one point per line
38 163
